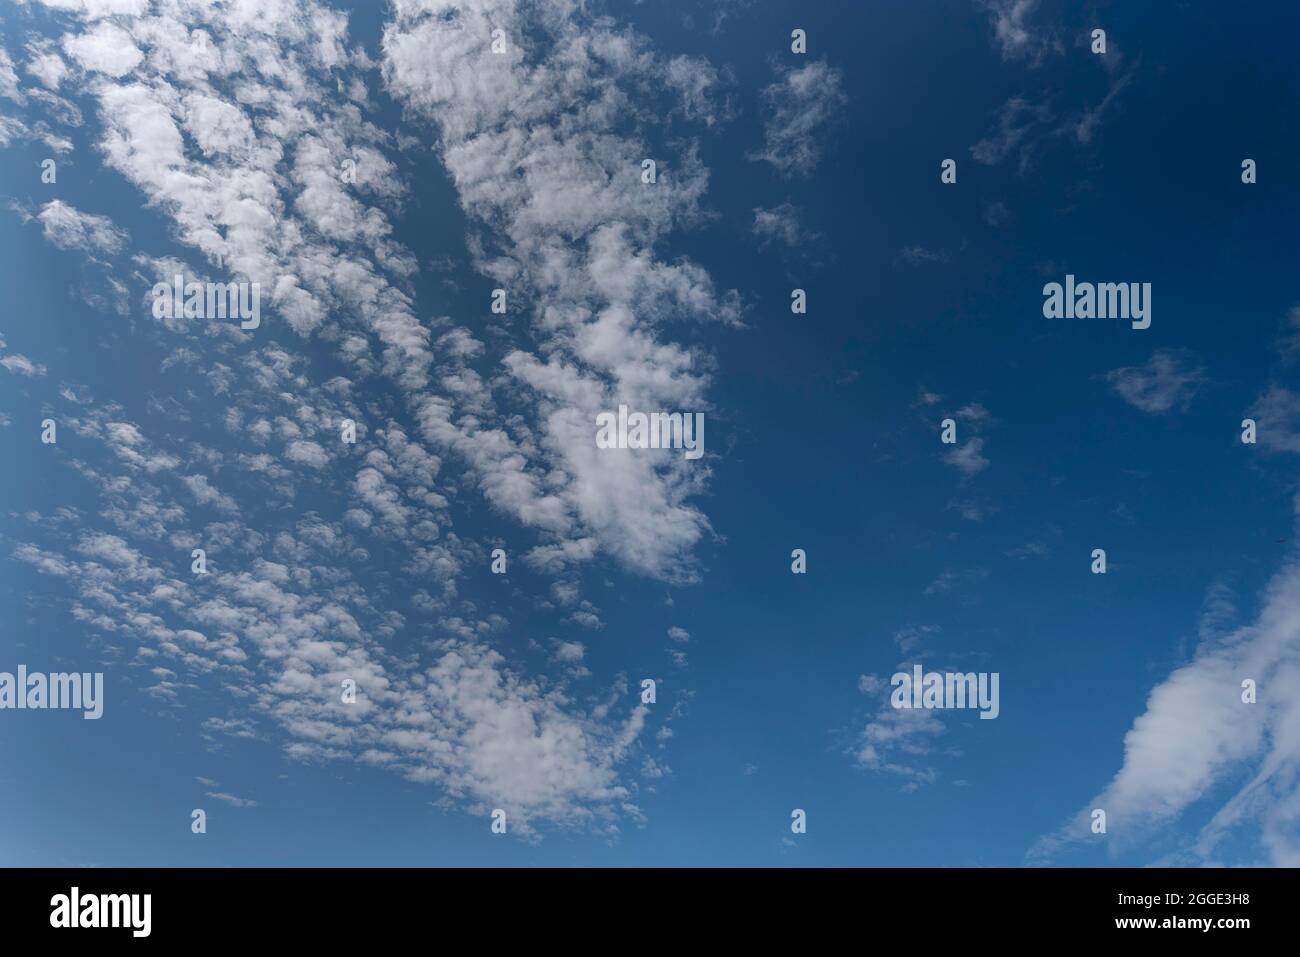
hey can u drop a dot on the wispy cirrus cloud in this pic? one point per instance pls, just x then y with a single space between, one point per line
1198 739
1016 34
801 107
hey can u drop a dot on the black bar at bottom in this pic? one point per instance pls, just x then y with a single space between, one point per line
340 905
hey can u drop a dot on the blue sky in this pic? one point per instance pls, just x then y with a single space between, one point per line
210 139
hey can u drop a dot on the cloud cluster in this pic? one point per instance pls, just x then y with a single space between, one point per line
565 224
247 130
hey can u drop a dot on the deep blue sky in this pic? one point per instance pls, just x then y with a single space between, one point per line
822 433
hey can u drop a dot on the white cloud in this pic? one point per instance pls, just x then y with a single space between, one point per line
1197 736
307 453
1168 380
1277 417
571 233
47 66
231 799
10 88
238 140
920 256
69 228
571 651
801 106
1015 37
779 224
1019 124
21 365
105 49
968 458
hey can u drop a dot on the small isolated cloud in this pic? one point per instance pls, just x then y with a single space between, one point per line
997 213
1169 380
1277 415
920 256
1085 125
911 638
780 224
586 615
969 458
969 509
1289 341
231 799
21 365
897 740
570 651
1015 132
1014 35
679 634
799 105
949 581
69 228
1029 550
870 684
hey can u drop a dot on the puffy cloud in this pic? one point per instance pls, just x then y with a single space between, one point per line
307 453
105 49
46 65
571 651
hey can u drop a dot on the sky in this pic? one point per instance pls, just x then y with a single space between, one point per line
380 171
